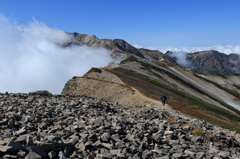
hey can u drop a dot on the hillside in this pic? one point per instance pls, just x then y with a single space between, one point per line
138 82
102 84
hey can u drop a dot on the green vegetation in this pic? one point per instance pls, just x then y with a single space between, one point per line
224 125
221 124
157 75
234 93
202 105
162 65
132 59
93 69
149 67
74 77
129 59
186 100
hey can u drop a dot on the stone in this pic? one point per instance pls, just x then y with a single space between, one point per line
141 147
14 146
21 138
107 145
9 156
61 155
168 133
42 154
130 137
97 143
189 152
61 127
29 141
2 142
120 144
21 153
83 135
80 146
52 154
35 148
115 151
115 138
97 123
4 122
32 155
5 148
20 132
224 154
25 119
1 115
177 155
52 138
53 130
81 124
158 151
104 155
156 136
46 147
105 137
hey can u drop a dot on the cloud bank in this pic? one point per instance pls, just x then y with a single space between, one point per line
181 59
227 49
31 59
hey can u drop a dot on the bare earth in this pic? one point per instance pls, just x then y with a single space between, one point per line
108 86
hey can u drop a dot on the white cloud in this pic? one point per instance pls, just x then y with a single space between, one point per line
227 49
181 59
30 58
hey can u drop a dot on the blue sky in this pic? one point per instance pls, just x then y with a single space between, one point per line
30 29
156 23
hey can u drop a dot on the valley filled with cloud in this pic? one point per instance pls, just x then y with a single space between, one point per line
32 58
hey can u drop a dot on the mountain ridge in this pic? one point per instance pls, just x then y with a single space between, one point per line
150 73
185 90
210 61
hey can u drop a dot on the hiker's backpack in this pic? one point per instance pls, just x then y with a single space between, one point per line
164 98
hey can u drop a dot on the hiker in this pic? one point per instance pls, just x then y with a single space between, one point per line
164 98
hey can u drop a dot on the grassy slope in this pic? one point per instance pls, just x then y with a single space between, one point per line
233 92
187 104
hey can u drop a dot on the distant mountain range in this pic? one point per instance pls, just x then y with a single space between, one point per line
203 62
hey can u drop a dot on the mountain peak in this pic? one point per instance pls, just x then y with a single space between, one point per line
209 61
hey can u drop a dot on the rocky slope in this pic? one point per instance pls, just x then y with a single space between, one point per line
42 125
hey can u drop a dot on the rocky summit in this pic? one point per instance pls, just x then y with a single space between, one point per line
42 125
209 61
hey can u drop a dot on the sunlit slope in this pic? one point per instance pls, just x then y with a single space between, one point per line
187 92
